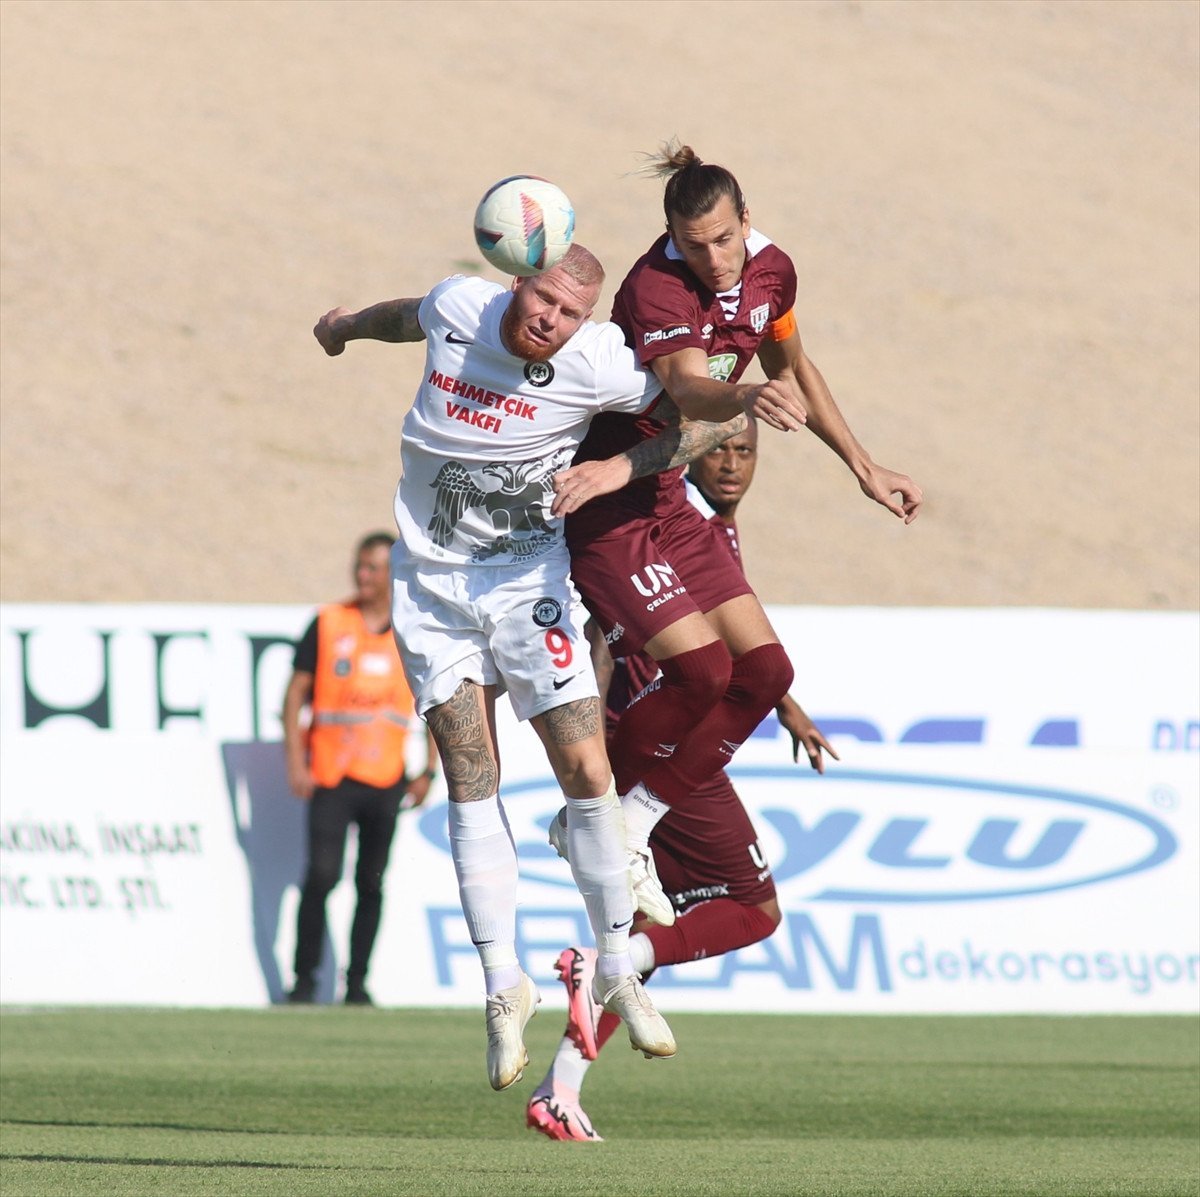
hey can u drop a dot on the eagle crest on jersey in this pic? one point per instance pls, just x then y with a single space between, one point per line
517 508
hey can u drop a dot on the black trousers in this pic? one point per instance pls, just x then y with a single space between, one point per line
330 813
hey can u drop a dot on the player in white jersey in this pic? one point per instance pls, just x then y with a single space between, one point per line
483 604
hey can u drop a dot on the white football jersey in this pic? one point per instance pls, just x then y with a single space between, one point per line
697 499
488 431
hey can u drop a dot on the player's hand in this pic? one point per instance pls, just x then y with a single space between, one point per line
805 734
589 480
897 492
330 331
776 404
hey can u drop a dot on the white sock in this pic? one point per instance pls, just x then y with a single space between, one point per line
641 952
600 866
642 812
567 1071
485 860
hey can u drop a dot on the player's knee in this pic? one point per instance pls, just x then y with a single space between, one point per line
697 680
762 676
582 774
773 915
761 922
584 782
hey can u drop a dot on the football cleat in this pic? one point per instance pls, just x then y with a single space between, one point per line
557 1118
576 967
648 894
507 1013
558 834
627 999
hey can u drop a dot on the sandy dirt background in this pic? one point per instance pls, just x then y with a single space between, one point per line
993 208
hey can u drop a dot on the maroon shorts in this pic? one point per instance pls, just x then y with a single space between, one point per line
709 849
648 572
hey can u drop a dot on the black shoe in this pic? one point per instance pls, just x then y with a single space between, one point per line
304 993
357 995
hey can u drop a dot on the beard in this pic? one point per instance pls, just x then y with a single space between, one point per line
520 344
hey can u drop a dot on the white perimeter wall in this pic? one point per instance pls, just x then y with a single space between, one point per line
1014 825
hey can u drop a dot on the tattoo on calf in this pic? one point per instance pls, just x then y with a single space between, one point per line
465 744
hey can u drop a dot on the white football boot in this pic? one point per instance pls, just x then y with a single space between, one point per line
627 999
507 1013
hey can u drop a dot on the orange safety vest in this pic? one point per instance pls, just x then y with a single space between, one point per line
361 706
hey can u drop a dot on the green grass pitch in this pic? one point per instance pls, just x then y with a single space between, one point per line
332 1101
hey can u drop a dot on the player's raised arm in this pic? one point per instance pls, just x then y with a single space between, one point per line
680 443
786 361
392 320
684 375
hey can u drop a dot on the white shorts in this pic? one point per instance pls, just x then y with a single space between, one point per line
516 627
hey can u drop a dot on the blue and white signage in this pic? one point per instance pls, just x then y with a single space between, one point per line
1014 824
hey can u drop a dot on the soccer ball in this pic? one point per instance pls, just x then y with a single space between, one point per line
524 225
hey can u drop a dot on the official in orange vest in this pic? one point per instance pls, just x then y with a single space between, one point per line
349 762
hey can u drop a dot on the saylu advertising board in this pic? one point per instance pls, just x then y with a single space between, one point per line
1013 824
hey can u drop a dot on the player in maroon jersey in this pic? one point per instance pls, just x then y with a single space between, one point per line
707 851
709 296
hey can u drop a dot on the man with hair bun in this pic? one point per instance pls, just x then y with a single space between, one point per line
711 294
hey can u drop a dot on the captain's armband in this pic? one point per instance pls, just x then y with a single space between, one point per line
783 328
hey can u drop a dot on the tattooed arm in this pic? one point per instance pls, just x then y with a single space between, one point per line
679 443
393 320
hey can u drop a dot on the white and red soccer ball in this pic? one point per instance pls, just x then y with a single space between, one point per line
524 225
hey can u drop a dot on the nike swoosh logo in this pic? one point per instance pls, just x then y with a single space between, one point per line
559 683
622 926
457 340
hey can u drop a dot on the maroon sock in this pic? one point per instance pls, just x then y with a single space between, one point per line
692 684
709 929
605 1026
758 680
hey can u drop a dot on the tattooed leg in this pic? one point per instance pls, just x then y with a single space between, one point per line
464 728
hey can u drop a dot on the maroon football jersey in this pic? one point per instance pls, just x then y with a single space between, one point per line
661 307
